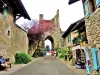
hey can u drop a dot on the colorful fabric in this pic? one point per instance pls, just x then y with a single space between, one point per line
2 60
52 52
45 53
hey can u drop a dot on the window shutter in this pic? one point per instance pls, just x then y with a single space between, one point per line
70 37
98 3
5 12
95 58
86 8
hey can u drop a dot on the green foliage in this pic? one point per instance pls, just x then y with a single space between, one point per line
38 53
45 49
57 50
76 41
62 52
79 39
61 56
22 58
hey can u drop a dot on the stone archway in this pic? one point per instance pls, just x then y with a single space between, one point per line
51 39
54 35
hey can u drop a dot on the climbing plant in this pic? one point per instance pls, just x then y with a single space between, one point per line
36 32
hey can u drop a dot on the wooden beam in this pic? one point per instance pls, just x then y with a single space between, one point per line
18 16
72 1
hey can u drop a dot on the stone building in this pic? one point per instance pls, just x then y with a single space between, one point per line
53 35
12 38
92 22
74 37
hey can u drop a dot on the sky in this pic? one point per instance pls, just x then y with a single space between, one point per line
48 42
68 13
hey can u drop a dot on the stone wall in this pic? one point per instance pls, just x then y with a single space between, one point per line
19 40
5 40
12 38
93 27
93 32
56 33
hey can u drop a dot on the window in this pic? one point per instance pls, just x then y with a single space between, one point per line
86 5
98 3
69 38
8 33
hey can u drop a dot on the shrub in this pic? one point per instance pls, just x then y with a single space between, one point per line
61 56
38 53
62 52
59 50
22 58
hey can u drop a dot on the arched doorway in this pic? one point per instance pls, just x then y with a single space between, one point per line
48 44
49 41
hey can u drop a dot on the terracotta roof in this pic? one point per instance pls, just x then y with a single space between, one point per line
46 23
44 26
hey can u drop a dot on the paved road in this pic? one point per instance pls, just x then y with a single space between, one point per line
43 66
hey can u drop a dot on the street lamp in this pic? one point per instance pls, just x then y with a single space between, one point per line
4 4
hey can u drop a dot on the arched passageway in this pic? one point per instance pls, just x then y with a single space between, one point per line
48 44
49 39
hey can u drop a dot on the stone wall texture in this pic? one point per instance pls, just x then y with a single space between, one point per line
12 38
56 33
93 33
93 27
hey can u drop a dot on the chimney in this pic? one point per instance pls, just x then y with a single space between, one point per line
57 12
41 16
